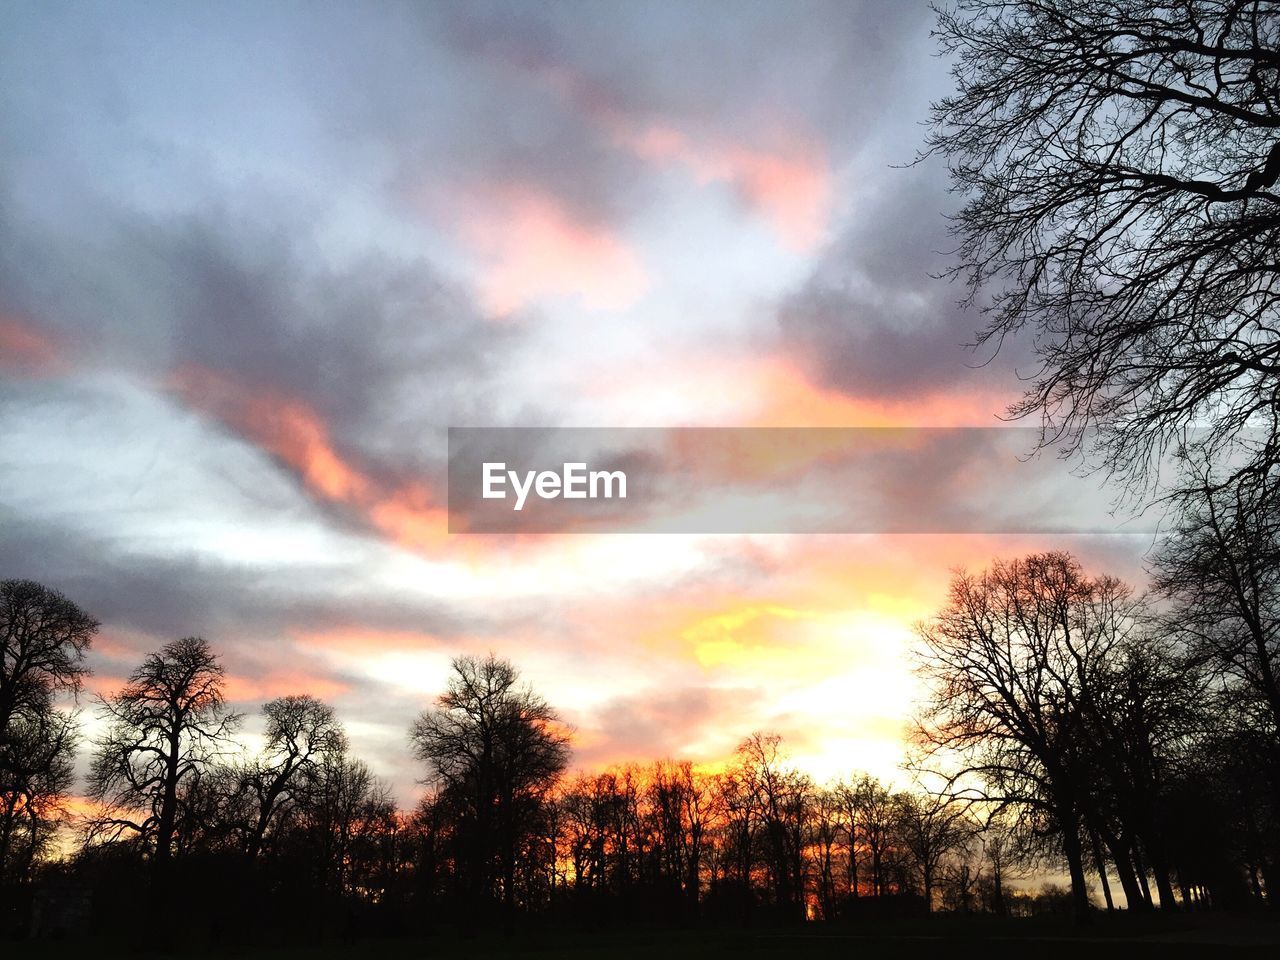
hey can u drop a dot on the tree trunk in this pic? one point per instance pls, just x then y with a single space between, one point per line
1101 861
1075 866
168 803
1121 857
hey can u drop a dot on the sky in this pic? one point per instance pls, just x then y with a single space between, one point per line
258 258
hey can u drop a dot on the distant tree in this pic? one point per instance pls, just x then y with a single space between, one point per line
1220 572
301 733
342 813
493 749
164 730
43 640
826 830
681 806
780 798
870 820
1005 857
1118 161
932 828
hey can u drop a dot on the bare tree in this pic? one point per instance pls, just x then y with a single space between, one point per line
827 827
1013 663
1220 571
681 806
871 813
163 730
1219 575
494 749
781 798
932 827
1004 854
43 640
301 732
1119 161
341 806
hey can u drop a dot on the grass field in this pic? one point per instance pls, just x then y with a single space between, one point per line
1208 936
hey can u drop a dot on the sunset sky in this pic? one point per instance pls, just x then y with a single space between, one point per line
257 259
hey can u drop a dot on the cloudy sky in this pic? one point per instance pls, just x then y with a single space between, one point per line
258 258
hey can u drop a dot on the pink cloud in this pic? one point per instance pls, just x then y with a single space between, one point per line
530 247
28 352
297 435
788 182
790 187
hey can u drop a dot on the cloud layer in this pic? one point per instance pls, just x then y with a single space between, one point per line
258 259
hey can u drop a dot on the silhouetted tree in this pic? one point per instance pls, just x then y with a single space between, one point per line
870 822
43 640
681 807
1013 663
780 799
1119 161
1219 573
1220 569
931 828
164 729
826 831
301 733
493 749
341 808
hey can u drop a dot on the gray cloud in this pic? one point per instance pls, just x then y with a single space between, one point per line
876 319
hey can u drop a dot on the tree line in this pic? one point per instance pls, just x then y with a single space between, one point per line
1117 163
300 832
1131 741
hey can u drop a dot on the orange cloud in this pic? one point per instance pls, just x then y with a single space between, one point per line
788 183
791 399
280 683
791 187
297 435
531 247
773 391
28 352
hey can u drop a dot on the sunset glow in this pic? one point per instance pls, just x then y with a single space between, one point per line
227 377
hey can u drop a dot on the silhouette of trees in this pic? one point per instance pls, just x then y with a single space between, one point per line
870 822
164 731
301 735
1119 164
494 750
43 640
683 811
1071 722
1220 570
778 803
1014 663
932 828
1219 574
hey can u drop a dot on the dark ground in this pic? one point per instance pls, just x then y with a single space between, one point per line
943 937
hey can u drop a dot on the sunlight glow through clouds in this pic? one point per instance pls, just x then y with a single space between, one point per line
767 390
791 188
641 197
787 182
531 247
